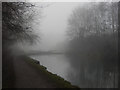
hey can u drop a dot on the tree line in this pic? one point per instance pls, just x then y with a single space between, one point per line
93 39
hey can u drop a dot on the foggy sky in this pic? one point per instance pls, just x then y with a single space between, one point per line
54 25
52 28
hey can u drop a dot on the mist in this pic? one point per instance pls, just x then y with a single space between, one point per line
76 41
54 25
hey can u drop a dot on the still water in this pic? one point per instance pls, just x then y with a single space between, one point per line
75 70
57 64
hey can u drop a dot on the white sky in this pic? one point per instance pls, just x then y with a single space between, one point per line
54 24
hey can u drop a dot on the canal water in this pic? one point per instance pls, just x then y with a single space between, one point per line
76 71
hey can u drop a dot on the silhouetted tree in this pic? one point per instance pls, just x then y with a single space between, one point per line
16 22
17 19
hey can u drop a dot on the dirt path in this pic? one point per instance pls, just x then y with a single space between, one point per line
27 77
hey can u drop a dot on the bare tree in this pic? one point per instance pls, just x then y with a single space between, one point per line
16 22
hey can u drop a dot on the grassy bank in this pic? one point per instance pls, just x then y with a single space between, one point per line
60 82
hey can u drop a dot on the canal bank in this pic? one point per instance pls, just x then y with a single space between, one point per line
28 73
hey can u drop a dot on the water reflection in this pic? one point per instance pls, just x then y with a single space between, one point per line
78 71
91 74
84 75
